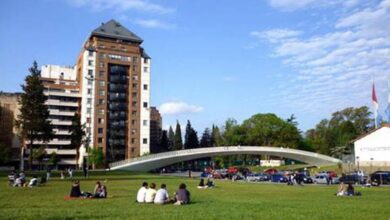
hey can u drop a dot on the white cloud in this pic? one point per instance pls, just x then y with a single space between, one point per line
154 23
276 35
122 5
291 5
176 108
334 69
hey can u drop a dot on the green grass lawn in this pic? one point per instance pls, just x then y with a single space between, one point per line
227 201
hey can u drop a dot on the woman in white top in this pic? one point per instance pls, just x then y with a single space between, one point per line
150 193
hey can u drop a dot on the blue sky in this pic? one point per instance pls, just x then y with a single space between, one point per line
212 60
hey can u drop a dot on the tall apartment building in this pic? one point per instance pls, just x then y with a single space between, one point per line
9 110
63 101
155 130
114 75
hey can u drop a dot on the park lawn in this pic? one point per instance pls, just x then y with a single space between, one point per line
229 200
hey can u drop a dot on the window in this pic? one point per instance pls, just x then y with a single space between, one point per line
101 120
134 113
89 110
134 104
145 86
132 141
101 82
134 85
102 92
133 131
135 59
90 53
145 104
89 81
100 130
101 101
89 91
90 62
100 140
101 111
132 149
134 94
102 56
133 122
89 100
144 140
88 120
88 130
101 64
146 60
101 74
134 67
146 69
90 72
145 122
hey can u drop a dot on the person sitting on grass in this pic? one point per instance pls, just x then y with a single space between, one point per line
209 183
99 191
18 182
341 190
182 195
75 191
162 196
150 193
142 193
350 190
33 182
201 184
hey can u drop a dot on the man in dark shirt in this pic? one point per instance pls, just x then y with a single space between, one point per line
182 195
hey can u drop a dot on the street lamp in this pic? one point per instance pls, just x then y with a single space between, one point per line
357 161
371 164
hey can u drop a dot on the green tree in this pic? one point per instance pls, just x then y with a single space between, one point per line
96 156
164 143
178 144
54 159
38 154
77 134
206 140
171 139
191 137
33 120
5 153
216 137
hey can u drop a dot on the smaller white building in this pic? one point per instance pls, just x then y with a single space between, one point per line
373 148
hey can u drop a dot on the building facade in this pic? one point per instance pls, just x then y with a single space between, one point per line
155 130
63 101
9 110
373 148
114 75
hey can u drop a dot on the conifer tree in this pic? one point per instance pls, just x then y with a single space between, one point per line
205 141
77 134
33 120
171 139
178 144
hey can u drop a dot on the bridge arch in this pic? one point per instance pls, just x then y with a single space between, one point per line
153 161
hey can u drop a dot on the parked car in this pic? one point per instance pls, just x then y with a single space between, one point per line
353 178
257 177
322 178
330 173
270 171
306 179
380 177
278 178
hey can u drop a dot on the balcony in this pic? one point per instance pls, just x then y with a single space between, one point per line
60 122
64 93
62 103
117 88
118 79
60 151
61 113
61 132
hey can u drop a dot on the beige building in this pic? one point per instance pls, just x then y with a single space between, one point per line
8 113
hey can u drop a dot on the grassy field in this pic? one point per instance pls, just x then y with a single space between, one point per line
229 200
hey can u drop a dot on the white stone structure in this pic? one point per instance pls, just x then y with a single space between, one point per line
373 148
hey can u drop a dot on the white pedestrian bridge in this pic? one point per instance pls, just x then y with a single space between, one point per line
153 161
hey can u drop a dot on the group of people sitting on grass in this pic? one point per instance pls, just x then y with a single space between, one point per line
347 190
20 180
149 194
202 185
100 191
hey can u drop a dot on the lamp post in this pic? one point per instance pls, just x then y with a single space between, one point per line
357 162
371 159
